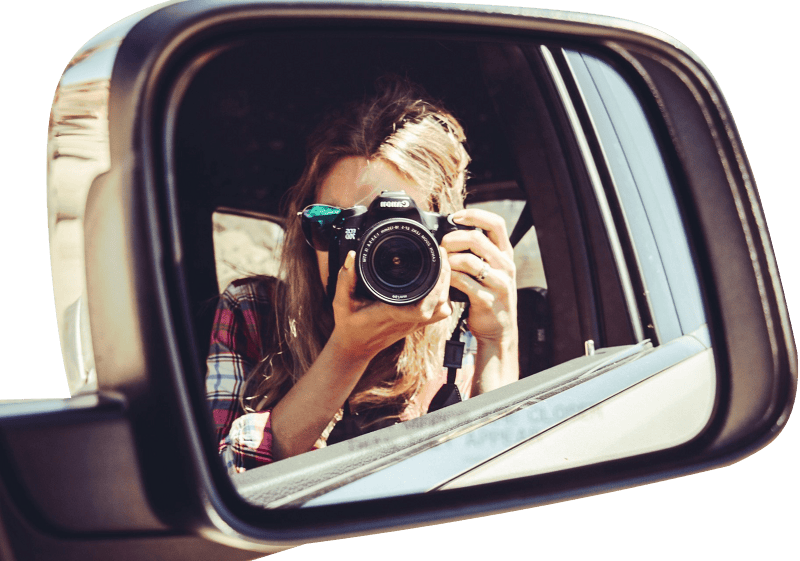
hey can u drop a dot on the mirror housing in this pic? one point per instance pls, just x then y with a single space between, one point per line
140 328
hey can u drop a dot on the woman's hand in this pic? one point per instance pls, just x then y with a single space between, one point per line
363 329
366 327
483 268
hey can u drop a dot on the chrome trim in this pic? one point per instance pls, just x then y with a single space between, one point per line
77 349
78 152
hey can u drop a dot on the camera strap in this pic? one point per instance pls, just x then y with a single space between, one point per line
448 394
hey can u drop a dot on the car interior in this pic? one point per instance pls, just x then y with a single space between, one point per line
236 125
239 134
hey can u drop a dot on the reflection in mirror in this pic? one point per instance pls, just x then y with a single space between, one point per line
77 152
245 245
585 342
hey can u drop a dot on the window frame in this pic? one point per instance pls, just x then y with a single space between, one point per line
683 319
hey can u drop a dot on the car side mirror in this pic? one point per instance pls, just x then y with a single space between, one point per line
185 71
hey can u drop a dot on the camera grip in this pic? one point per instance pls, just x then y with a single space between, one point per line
457 296
446 225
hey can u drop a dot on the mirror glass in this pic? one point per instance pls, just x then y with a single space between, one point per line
586 342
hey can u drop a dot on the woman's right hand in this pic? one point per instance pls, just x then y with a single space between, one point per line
366 327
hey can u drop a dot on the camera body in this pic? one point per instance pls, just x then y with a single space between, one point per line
397 249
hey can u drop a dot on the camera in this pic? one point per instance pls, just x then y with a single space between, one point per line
397 249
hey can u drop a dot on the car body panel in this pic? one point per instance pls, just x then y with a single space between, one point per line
655 414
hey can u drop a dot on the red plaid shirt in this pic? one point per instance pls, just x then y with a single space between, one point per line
243 326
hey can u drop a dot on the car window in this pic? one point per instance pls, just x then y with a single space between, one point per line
647 195
245 246
527 256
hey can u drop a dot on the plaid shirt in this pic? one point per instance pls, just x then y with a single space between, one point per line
243 326
245 440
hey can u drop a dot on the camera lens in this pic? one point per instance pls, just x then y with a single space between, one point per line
398 261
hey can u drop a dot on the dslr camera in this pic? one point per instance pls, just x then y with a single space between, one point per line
397 249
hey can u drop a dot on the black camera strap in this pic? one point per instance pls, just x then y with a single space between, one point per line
448 394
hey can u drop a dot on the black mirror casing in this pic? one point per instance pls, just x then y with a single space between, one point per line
176 493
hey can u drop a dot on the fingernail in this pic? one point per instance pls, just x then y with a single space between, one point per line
350 260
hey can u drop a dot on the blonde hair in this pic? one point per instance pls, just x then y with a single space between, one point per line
423 142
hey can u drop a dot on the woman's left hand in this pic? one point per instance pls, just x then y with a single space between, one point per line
482 264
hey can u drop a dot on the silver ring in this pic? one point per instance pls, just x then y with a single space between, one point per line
483 273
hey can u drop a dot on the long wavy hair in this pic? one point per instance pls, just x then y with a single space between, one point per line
425 143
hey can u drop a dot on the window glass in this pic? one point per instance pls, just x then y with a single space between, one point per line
245 246
646 193
527 257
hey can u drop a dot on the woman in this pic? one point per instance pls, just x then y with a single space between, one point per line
287 362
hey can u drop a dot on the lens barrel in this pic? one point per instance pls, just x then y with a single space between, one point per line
398 261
